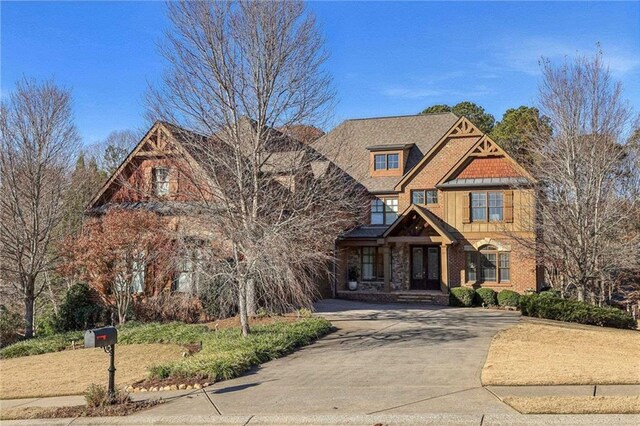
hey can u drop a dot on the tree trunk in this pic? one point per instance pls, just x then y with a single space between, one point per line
251 298
242 304
28 315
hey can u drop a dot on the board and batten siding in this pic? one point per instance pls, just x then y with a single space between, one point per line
457 201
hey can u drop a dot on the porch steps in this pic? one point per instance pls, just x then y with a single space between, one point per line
415 296
436 298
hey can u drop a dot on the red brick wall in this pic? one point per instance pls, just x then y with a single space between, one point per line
522 268
434 170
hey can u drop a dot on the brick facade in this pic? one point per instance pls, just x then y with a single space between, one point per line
464 155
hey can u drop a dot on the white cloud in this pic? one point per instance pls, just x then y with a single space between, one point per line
421 92
524 55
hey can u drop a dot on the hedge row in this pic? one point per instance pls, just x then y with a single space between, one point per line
466 297
544 305
555 308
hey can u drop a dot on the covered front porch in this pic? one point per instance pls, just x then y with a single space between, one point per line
408 261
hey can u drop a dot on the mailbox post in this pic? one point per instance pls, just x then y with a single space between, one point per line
105 338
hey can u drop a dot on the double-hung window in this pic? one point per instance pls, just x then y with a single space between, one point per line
384 211
495 206
372 263
487 206
478 206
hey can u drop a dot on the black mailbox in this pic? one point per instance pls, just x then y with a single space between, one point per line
100 337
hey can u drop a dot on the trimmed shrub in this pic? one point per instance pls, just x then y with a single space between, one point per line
508 298
486 297
555 308
550 293
78 311
461 296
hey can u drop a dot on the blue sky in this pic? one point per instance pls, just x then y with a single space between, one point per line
387 58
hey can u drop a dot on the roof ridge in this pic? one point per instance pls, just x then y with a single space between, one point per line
400 116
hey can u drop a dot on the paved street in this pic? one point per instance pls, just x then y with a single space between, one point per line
392 359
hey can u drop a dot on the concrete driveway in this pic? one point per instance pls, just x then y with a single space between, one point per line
387 359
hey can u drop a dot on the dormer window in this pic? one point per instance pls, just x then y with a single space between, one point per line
386 161
161 181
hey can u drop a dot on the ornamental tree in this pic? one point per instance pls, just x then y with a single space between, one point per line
114 253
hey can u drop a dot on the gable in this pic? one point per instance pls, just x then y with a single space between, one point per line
487 168
418 221
131 180
441 156
486 160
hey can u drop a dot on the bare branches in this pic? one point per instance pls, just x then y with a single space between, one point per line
238 71
38 139
587 177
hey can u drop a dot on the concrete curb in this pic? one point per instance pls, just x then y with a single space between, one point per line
351 420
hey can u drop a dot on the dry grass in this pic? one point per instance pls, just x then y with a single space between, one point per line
232 322
575 404
550 353
76 411
70 372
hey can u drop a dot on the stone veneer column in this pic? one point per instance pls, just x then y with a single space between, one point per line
386 250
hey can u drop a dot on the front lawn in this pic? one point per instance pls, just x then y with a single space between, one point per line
70 372
555 353
149 350
575 404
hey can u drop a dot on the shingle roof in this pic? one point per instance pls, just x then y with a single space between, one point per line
365 232
346 145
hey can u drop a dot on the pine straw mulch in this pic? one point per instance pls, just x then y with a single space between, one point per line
77 411
232 322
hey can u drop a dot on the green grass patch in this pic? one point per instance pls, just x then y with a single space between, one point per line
174 332
226 354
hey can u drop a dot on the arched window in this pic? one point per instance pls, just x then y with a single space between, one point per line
488 265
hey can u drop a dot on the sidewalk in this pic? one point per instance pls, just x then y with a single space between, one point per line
351 420
500 392
71 400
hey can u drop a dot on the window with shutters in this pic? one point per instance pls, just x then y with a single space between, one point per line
489 206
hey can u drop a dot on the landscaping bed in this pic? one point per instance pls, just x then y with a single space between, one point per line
195 354
542 352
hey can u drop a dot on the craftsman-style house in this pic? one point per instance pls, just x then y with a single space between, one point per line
448 206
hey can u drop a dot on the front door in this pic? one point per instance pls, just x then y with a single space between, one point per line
425 268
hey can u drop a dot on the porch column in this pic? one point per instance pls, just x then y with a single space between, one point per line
386 250
444 268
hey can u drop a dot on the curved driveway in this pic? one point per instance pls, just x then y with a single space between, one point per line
387 359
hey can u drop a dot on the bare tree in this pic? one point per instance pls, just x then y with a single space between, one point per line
589 180
112 151
237 72
38 139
